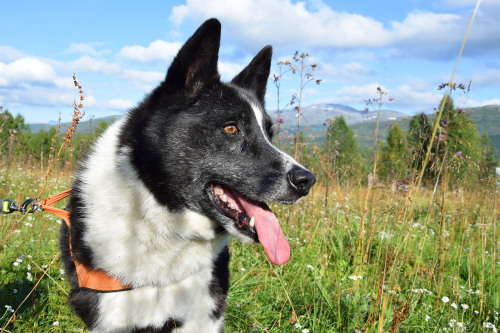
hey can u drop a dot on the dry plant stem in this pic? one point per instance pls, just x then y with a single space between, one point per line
416 183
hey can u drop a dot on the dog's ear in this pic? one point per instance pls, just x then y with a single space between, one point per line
254 76
196 62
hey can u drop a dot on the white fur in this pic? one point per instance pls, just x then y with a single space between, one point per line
166 257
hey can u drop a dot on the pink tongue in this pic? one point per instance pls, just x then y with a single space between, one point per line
269 232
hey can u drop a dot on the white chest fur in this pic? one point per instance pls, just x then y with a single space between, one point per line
166 257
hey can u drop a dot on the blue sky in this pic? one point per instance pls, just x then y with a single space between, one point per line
121 50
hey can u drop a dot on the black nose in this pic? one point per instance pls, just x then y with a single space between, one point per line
301 180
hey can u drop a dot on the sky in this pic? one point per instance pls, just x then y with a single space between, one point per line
120 50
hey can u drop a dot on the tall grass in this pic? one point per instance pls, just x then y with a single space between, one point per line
432 266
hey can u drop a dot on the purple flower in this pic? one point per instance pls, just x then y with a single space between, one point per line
280 121
391 99
458 153
366 110
444 122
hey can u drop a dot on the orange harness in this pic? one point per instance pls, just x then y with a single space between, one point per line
94 279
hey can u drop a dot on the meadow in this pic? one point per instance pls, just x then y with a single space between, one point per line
416 250
364 259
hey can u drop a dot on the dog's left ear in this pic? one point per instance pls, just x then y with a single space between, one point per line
254 76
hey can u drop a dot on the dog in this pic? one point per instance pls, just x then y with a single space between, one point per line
158 197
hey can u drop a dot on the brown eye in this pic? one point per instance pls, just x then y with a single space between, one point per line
231 129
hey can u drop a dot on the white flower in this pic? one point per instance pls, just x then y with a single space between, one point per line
454 305
305 331
427 318
9 308
29 277
243 269
298 325
16 263
445 299
464 306
56 323
28 267
310 267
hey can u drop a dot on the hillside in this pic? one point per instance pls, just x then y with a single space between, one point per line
487 119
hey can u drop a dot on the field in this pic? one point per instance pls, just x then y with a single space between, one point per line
363 260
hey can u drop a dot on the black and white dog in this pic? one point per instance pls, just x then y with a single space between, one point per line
157 199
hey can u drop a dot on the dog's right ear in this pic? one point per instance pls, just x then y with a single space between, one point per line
196 62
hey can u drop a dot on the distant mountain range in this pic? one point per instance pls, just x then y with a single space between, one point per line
317 114
487 119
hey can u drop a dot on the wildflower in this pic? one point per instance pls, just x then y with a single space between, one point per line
454 305
366 110
305 331
464 306
355 277
29 277
445 299
56 323
310 267
391 99
16 263
9 308
458 153
298 325
280 121
427 318
490 326
243 269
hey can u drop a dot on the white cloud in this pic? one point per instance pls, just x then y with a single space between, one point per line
84 48
357 93
158 50
283 23
352 70
120 104
91 64
26 70
228 70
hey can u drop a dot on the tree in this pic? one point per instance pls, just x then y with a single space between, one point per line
393 158
342 151
488 161
419 139
462 140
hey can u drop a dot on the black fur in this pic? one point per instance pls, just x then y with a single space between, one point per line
177 146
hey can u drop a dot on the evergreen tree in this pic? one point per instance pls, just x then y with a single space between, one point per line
342 151
419 139
393 160
488 161
462 142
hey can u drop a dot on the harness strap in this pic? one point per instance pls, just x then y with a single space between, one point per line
94 279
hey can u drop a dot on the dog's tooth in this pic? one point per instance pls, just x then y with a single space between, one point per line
223 197
252 221
218 190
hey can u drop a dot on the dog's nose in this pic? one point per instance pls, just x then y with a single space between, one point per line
301 180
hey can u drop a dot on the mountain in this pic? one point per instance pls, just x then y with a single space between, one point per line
317 114
84 126
487 119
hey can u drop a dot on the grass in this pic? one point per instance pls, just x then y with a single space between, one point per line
430 266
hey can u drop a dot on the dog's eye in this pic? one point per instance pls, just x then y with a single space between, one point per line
231 129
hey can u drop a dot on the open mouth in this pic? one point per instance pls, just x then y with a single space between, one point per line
253 219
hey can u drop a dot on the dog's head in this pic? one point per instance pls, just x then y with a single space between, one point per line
204 145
